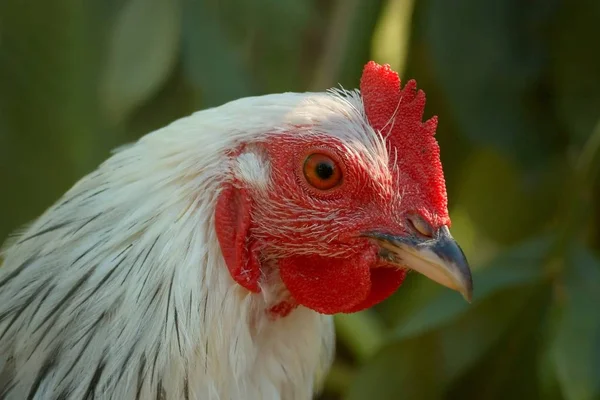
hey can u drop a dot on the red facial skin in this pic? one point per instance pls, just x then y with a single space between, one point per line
315 237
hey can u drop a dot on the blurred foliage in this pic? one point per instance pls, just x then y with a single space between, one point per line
516 85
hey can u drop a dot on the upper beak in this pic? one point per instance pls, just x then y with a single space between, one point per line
439 258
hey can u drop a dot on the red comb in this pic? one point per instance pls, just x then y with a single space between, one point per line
398 114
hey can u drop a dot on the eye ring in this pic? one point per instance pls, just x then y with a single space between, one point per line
321 171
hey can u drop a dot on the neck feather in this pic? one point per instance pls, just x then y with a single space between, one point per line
120 288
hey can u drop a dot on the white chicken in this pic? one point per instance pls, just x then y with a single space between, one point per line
205 260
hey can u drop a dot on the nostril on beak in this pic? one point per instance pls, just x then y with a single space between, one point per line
420 226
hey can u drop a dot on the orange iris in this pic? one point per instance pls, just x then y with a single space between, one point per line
322 172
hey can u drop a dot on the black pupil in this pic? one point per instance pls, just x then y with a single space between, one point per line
324 170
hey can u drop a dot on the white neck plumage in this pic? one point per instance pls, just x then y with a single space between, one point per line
120 289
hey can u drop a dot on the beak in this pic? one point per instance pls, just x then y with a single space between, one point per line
439 258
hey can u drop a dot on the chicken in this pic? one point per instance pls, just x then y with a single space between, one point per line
205 260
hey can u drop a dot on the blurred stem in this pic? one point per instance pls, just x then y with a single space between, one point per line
589 161
363 333
391 37
576 215
336 42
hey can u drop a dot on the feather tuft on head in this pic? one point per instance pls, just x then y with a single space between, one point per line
397 113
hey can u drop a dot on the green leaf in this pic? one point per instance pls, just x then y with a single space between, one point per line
577 345
362 333
142 49
387 376
576 62
509 368
519 267
496 193
174 100
282 62
338 378
212 62
423 366
49 61
266 39
547 374
488 58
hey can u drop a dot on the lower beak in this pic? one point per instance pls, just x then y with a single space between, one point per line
439 258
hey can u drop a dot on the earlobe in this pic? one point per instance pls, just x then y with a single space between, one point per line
232 224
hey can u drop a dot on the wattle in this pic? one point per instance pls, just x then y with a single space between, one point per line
338 285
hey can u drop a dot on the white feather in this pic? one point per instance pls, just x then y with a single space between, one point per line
120 288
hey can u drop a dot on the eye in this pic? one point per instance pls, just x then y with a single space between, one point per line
421 226
322 172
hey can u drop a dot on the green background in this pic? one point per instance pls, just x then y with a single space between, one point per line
516 85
